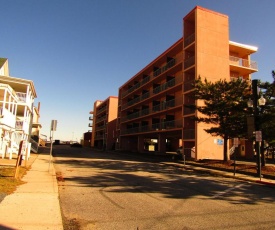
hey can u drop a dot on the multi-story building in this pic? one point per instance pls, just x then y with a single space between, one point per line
151 111
17 111
104 115
37 139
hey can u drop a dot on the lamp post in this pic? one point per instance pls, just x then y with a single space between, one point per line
258 134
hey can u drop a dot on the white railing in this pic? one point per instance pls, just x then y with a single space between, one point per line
243 62
24 98
22 125
7 118
232 150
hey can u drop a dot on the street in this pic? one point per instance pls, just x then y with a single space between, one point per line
117 191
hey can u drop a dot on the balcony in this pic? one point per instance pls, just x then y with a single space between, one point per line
90 125
170 64
174 61
22 126
188 85
100 127
22 97
169 84
188 111
242 66
168 125
103 118
189 62
189 40
164 86
163 106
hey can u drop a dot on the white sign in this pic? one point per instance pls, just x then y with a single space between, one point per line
258 135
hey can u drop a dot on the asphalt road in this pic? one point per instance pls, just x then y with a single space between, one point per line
116 191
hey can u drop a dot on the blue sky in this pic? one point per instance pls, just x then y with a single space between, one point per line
79 51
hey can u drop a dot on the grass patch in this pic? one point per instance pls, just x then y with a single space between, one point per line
8 183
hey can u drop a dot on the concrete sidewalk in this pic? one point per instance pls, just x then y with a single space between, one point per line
35 204
238 175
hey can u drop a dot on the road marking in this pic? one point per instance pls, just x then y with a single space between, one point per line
221 193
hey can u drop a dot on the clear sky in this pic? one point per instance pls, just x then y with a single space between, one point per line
79 51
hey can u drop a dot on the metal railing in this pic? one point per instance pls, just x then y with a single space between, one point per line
154 127
34 145
164 105
161 88
190 39
175 60
243 62
189 62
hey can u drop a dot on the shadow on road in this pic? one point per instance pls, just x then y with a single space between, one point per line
118 172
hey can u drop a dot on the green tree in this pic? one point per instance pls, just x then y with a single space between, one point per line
223 107
267 115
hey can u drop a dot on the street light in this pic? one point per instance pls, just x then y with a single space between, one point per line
257 101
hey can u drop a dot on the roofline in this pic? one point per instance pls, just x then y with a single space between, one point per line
204 9
252 48
166 51
21 80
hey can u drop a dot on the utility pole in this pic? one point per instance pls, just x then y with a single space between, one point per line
257 125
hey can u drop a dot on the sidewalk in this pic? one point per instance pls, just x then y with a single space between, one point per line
35 204
240 176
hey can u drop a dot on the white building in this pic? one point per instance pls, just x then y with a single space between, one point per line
16 109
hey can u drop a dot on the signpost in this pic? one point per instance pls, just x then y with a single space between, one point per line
235 143
53 128
21 152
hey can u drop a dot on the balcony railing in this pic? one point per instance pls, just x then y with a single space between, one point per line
243 62
164 105
189 62
162 69
101 109
19 125
190 39
188 85
101 119
154 127
22 97
177 59
100 127
188 111
163 87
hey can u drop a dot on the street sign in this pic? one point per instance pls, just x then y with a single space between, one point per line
219 141
258 135
53 125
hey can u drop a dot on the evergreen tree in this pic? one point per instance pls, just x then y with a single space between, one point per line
222 105
267 115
